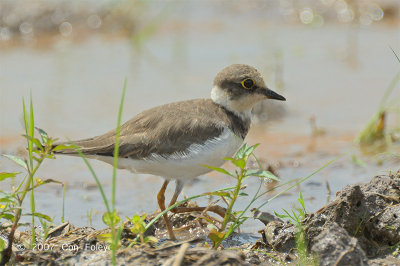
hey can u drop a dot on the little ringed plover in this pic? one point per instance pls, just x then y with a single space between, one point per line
175 140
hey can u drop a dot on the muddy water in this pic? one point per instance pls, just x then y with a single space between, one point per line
76 89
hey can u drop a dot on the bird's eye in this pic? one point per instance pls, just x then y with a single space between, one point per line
248 84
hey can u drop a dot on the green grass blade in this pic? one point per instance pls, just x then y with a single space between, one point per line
241 219
31 131
26 124
115 238
116 148
103 195
302 180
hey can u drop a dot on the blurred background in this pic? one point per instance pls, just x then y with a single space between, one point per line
332 59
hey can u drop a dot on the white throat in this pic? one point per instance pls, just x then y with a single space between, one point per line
241 107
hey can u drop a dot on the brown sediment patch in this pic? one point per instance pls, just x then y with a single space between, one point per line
9 140
283 144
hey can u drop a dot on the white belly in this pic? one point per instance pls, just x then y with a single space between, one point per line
187 164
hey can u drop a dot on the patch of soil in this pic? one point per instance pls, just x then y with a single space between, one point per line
361 226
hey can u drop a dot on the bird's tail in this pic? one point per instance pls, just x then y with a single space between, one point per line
86 146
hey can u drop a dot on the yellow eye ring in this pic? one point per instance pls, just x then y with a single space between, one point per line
248 84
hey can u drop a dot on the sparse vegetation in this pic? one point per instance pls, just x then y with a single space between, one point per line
296 217
376 137
139 228
38 151
235 219
110 218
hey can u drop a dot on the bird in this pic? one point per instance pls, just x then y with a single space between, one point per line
176 140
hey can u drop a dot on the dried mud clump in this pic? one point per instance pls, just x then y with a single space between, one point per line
360 227
335 240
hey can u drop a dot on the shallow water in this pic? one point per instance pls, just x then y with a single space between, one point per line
76 89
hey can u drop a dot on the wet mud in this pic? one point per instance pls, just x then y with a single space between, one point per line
361 226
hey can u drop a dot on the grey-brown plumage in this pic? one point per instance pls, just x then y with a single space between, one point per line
174 127
165 130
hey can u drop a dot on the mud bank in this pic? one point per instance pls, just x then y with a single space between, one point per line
361 226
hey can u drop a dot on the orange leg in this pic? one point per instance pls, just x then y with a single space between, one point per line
161 204
178 190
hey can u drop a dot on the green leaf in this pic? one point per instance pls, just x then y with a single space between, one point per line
241 163
63 147
139 227
216 237
136 219
150 239
250 150
282 216
50 156
262 174
111 218
7 216
218 169
237 213
39 215
35 141
17 160
2 244
301 200
43 135
7 199
107 237
5 175
220 194
252 172
241 151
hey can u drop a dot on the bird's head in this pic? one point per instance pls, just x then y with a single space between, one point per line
239 88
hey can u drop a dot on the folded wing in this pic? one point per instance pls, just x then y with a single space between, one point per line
163 130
